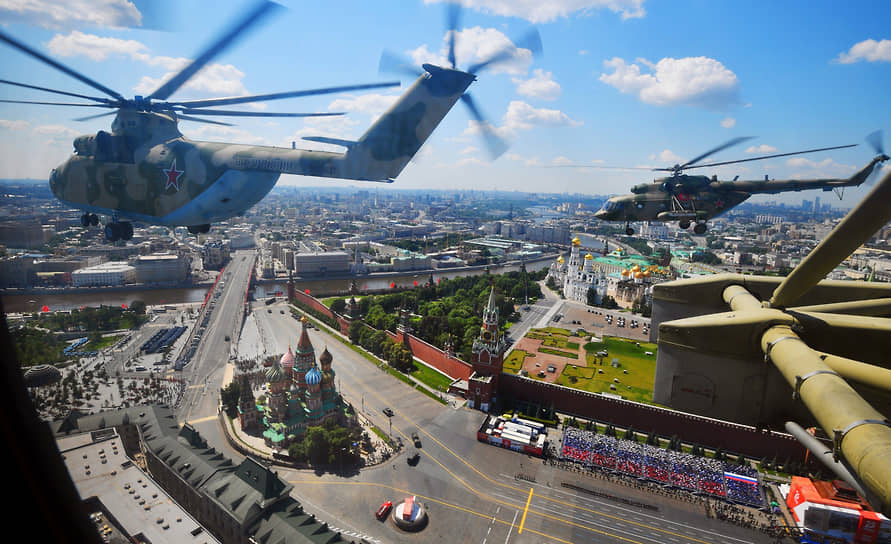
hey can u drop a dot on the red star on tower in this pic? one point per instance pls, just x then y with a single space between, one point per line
173 176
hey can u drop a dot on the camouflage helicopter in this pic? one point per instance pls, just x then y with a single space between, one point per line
687 198
146 171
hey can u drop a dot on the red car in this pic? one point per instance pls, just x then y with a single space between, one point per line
383 510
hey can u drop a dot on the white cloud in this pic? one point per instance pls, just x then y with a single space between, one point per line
469 150
728 122
14 125
561 161
371 104
693 81
527 161
544 11
522 116
583 52
95 48
763 148
668 157
213 79
867 50
541 85
826 168
474 45
71 13
56 131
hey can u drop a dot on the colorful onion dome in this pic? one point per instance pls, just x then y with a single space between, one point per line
275 374
313 377
325 358
287 359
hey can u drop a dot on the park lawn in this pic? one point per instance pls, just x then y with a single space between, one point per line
514 361
103 343
430 377
567 354
637 385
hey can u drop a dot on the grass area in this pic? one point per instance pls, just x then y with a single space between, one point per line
599 374
559 353
103 343
430 377
514 361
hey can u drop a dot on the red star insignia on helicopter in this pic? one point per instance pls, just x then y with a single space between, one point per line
173 176
683 196
719 203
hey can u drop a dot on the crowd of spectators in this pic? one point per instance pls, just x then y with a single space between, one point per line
677 469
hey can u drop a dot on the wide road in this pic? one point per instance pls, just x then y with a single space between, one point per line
470 488
203 375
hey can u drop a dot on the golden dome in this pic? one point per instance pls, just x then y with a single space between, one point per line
646 273
560 259
626 272
588 257
635 268
638 274
576 241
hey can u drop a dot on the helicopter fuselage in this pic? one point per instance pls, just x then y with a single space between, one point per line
687 198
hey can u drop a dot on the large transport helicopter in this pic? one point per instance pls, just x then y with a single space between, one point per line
690 199
146 171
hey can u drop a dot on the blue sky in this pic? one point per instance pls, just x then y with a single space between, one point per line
620 82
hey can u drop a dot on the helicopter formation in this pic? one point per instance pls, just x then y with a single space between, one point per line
145 170
693 200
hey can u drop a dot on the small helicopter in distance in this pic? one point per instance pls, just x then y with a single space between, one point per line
687 198
146 171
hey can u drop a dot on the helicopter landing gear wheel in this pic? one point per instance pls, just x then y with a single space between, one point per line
125 229
85 220
112 232
684 224
199 229
700 228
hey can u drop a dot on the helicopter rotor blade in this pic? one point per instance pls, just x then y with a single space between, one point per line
771 156
7 101
394 63
497 146
531 41
708 153
875 140
199 120
453 18
90 117
257 12
211 102
59 66
233 113
47 89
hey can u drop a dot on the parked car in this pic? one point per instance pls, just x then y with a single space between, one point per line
415 439
414 458
383 510
388 412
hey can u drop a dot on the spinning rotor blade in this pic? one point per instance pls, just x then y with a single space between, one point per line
495 143
211 102
66 93
721 147
875 140
231 113
394 63
96 116
59 66
531 41
453 16
199 120
228 38
766 157
57 103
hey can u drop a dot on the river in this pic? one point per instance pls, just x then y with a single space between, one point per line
317 287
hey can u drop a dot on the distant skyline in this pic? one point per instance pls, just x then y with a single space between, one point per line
620 83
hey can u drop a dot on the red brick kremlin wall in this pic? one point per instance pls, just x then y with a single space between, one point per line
642 417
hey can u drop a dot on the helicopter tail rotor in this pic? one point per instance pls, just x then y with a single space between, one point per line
528 43
875 140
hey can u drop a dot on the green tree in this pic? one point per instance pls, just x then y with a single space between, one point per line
229 396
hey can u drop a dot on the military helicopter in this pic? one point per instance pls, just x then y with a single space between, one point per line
687 198
146 171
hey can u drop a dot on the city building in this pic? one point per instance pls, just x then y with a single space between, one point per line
161 268
322 263
215 254
106 274
153 480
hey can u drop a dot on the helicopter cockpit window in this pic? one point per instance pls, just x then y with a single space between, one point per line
611 206
112 148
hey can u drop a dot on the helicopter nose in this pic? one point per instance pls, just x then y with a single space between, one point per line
600 214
